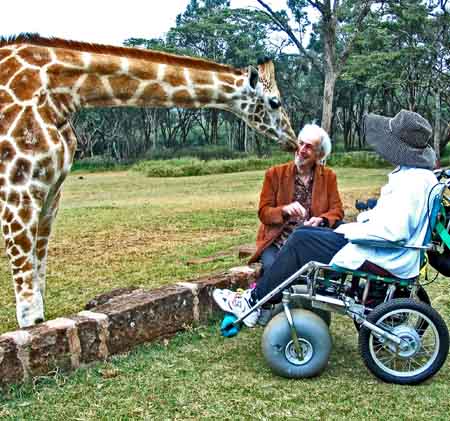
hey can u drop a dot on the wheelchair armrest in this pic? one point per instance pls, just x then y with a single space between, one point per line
390 244
379 243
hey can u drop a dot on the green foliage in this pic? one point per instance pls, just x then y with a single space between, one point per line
99 164
185 167
357 159
204 153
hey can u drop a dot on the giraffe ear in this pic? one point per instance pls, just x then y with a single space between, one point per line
253 77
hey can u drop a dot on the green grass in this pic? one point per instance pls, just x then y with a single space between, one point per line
200 375
119 229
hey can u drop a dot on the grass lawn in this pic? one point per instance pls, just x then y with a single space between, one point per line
121 229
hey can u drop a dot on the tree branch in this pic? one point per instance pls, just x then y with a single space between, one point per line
286 28
358 25
316 5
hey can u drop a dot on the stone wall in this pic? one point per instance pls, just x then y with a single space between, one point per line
110 324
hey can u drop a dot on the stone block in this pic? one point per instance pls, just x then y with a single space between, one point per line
93 333
116 322
146 315
52 345
11 368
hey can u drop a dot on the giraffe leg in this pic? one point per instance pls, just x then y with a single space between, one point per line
19 225
44 230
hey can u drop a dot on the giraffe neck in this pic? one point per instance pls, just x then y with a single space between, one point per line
109 80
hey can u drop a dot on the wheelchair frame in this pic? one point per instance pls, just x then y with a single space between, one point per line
326 287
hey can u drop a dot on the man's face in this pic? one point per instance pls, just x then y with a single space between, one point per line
308 152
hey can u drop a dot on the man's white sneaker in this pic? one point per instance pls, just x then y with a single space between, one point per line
237 303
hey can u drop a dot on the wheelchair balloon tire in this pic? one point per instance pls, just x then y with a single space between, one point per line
279 351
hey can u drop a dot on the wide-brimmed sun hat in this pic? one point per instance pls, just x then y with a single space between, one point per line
401 140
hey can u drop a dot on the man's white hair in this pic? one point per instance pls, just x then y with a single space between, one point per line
313 131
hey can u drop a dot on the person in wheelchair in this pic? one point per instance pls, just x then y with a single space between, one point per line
401 215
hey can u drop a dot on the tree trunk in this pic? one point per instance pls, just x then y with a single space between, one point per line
213 134
328 95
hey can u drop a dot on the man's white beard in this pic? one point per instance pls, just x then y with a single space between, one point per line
298 160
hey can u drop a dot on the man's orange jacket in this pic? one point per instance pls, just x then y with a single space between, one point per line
278 191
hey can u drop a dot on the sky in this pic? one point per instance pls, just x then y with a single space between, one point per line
99 21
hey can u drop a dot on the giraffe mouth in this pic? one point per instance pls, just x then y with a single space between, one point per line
288 144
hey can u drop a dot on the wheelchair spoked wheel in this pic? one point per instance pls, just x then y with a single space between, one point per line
424 342
314 339
420 296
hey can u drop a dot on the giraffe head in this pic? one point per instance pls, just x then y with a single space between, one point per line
261 107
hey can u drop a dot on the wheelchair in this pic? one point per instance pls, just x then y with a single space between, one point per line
402 338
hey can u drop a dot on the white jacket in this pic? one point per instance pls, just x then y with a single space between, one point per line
401 214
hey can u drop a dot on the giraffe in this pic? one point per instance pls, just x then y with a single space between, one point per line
43 81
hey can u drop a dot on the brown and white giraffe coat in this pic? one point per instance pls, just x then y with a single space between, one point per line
44 81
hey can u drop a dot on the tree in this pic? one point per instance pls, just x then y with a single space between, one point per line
332 14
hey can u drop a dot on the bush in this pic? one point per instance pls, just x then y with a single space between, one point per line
99 163
204 153
357 159
193 166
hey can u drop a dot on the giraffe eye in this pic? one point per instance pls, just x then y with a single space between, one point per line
274 103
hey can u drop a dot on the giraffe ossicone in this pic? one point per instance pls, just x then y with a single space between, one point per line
44 81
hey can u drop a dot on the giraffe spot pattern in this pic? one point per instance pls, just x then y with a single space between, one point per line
7 216
63 102
20 261
60 76
8 69
7 118
222 99
16 226
38 194
226 78
141 70
5 98
227 89
25 214
13 198
93 92
202 78
35 56
23 242
104 64
68 57
7 152
203 95
29 135
41 252
123 87
174 77
21 172
182 97
43 170
4 53
48 115
154 94
45 229
25 84
18 284
14 251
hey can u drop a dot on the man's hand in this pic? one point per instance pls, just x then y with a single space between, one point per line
315 221
294 209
